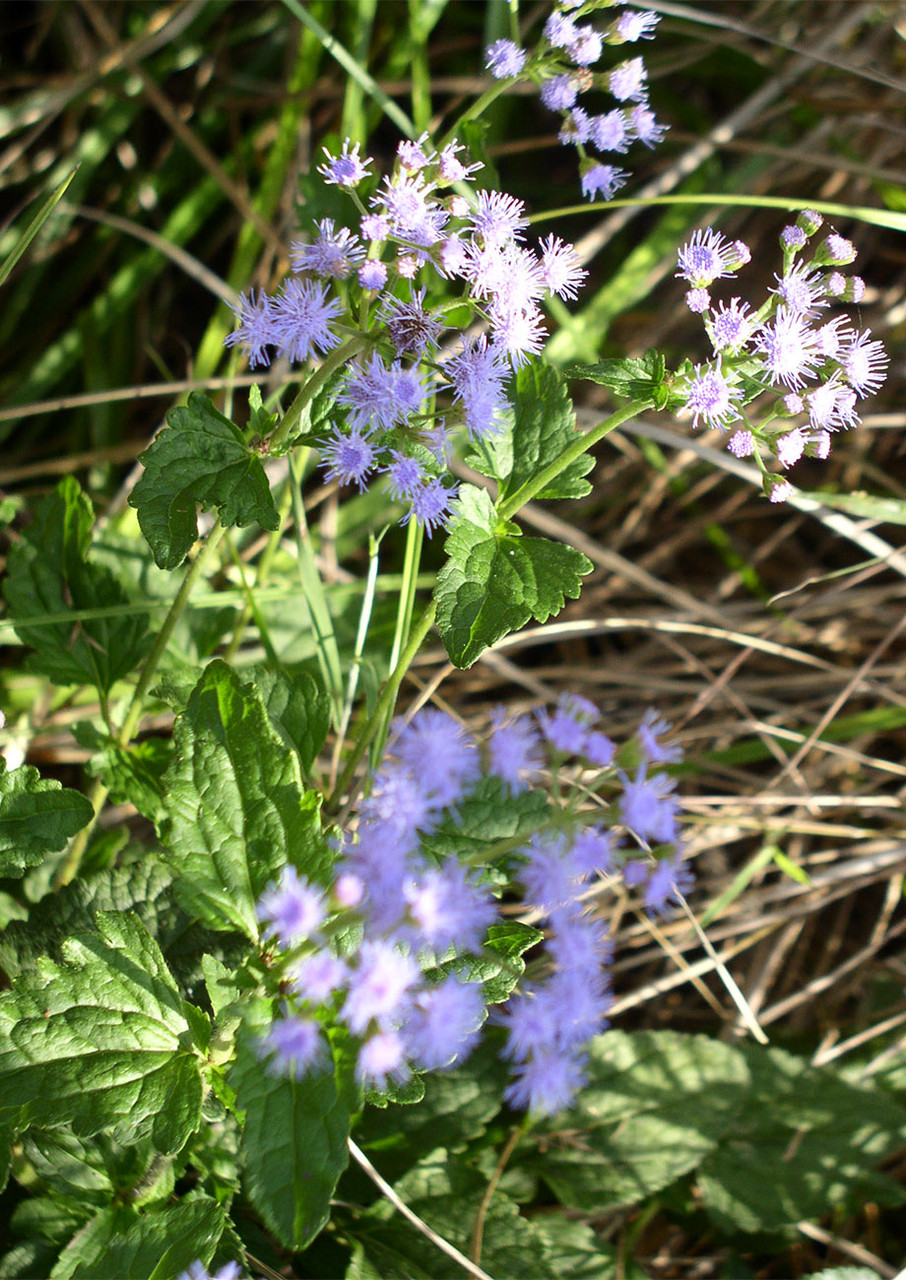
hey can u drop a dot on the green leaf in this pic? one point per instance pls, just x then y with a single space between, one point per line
50 574
235 805
448 1193
573 1251
489 815
494 583
632 379
133 774
37 817
299 709
199 458
806 1142
544 424
88 1246
294 1139
102 1042
160 1244
655 1105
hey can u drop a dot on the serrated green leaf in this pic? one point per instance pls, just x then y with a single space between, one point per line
235 805
294 1138
160 1243
37 817
573 1251
631 378
805 1142
489 815
134 774
88 1246
493 584
655 1105
50 573
200 458
299 709
101 1042
448 1193
544 424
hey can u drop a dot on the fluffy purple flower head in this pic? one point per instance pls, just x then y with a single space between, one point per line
865 364
291 910
698 301
498 218
412 155
741 444
642 125
707 257
348 459
610 132
801 291
790 447
547 1083
559 93
793 237
651 729
628 82
440 754
405 474
648 806
302 314
381 395
410 326
451 168
730 326
334 253
561 268
382 1058
710 397
431 505
478 373
294 1047
198 1271
513 750
346 169
559 30
400 802
599 749
378 988
504 58
592 851
318 977
670 879
518 332
447 908
636 24
790 348
777 490
444 1024
256 327
604 180
586 46
373 274
567 729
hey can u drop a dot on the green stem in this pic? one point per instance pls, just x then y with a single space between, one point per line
264 567
478 106
583 442
311 387
384 704
70 864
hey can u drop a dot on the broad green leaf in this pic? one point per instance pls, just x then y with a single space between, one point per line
544 424
50 574
489 815
299 709
631 378
142 887
160 1244
493 583
89 1245
199 458
447 1194
236 811
574 1252
37 817
31 1260
102 1042
655 1105
807 1141
294 1140
133 774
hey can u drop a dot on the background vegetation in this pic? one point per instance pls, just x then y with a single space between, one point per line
771 636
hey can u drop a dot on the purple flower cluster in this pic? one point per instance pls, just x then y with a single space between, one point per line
198 1271
376 276
412 913
816 367
563 68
